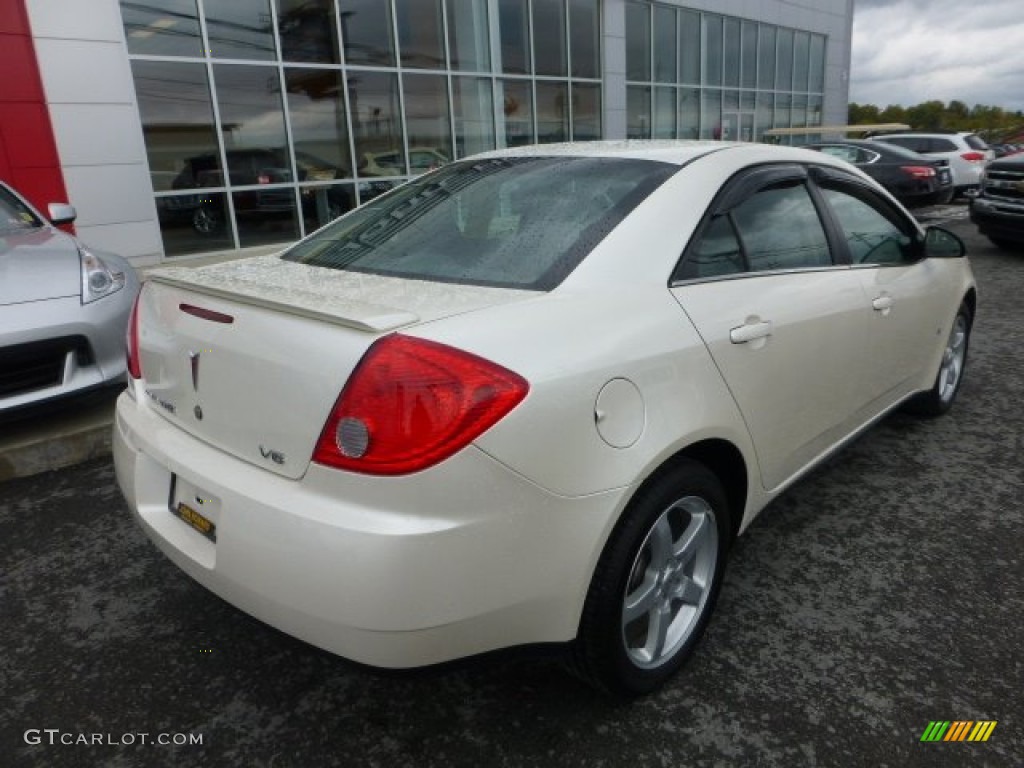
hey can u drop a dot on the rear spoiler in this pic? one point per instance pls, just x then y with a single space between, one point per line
295 289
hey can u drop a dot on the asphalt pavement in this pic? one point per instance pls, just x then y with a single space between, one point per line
880 594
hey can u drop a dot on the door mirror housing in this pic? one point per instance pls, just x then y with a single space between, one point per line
62 213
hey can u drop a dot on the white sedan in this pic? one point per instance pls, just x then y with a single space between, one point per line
530 397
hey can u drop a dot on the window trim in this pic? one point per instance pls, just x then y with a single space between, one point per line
739 188
750 181
827 177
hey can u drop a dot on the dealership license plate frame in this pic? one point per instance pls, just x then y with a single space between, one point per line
189 515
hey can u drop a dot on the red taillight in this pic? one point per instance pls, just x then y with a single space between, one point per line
134 364
411 403
973 157
919 171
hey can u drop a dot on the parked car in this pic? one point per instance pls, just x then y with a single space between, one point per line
911 178
998 208
392 162
531 397
63 308
256 168
967 153
1005 150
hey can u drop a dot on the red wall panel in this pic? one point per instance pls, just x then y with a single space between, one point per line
28 152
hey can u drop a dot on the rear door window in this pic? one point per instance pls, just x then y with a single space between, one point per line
776 227
780 229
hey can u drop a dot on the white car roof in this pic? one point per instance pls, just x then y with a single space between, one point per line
677 152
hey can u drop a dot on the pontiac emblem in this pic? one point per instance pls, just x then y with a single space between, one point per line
193 359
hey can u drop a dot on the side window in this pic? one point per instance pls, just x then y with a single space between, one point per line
865 156
976 142
942 145
909 142
872 237
716 253
849 154
780 229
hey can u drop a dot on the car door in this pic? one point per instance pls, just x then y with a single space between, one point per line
901 286
785 324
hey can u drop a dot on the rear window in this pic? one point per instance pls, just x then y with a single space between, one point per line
976 142
523 222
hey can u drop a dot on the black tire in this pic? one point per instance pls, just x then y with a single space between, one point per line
685 501
939 399
207 221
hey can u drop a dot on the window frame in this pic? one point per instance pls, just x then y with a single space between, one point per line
836 179
750 181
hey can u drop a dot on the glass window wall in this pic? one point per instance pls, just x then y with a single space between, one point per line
638 112
550 56
638 41
514 30
585 38
731 65
586 111
665 43
308 30
722 72
239 30
420 33
473 107
689 47
168 28
367 33
552 111
517 110
469 43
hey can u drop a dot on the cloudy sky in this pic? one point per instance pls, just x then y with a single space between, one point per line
909 51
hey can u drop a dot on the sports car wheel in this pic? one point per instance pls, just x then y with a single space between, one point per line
656 582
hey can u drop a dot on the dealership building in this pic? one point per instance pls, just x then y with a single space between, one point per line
180 128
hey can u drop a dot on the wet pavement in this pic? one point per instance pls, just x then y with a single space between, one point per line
881 593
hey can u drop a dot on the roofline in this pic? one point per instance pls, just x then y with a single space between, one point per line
865 128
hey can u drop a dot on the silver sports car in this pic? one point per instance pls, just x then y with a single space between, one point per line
63 308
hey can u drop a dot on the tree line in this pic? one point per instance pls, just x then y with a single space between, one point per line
994 123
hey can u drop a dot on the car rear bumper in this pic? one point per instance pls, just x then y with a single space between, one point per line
460 559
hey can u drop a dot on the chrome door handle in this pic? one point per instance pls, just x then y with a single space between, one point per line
750 332
882 303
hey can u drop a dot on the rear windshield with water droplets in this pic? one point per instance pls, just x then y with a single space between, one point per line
521 222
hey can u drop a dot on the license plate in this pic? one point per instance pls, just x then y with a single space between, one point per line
202 524
944 177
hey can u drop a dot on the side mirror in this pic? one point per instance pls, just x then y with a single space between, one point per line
940 243
62 213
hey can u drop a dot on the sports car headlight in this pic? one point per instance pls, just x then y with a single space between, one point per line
98 280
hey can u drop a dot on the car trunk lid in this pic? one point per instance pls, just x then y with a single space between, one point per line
250 356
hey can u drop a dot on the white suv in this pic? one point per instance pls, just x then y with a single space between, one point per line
968 154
